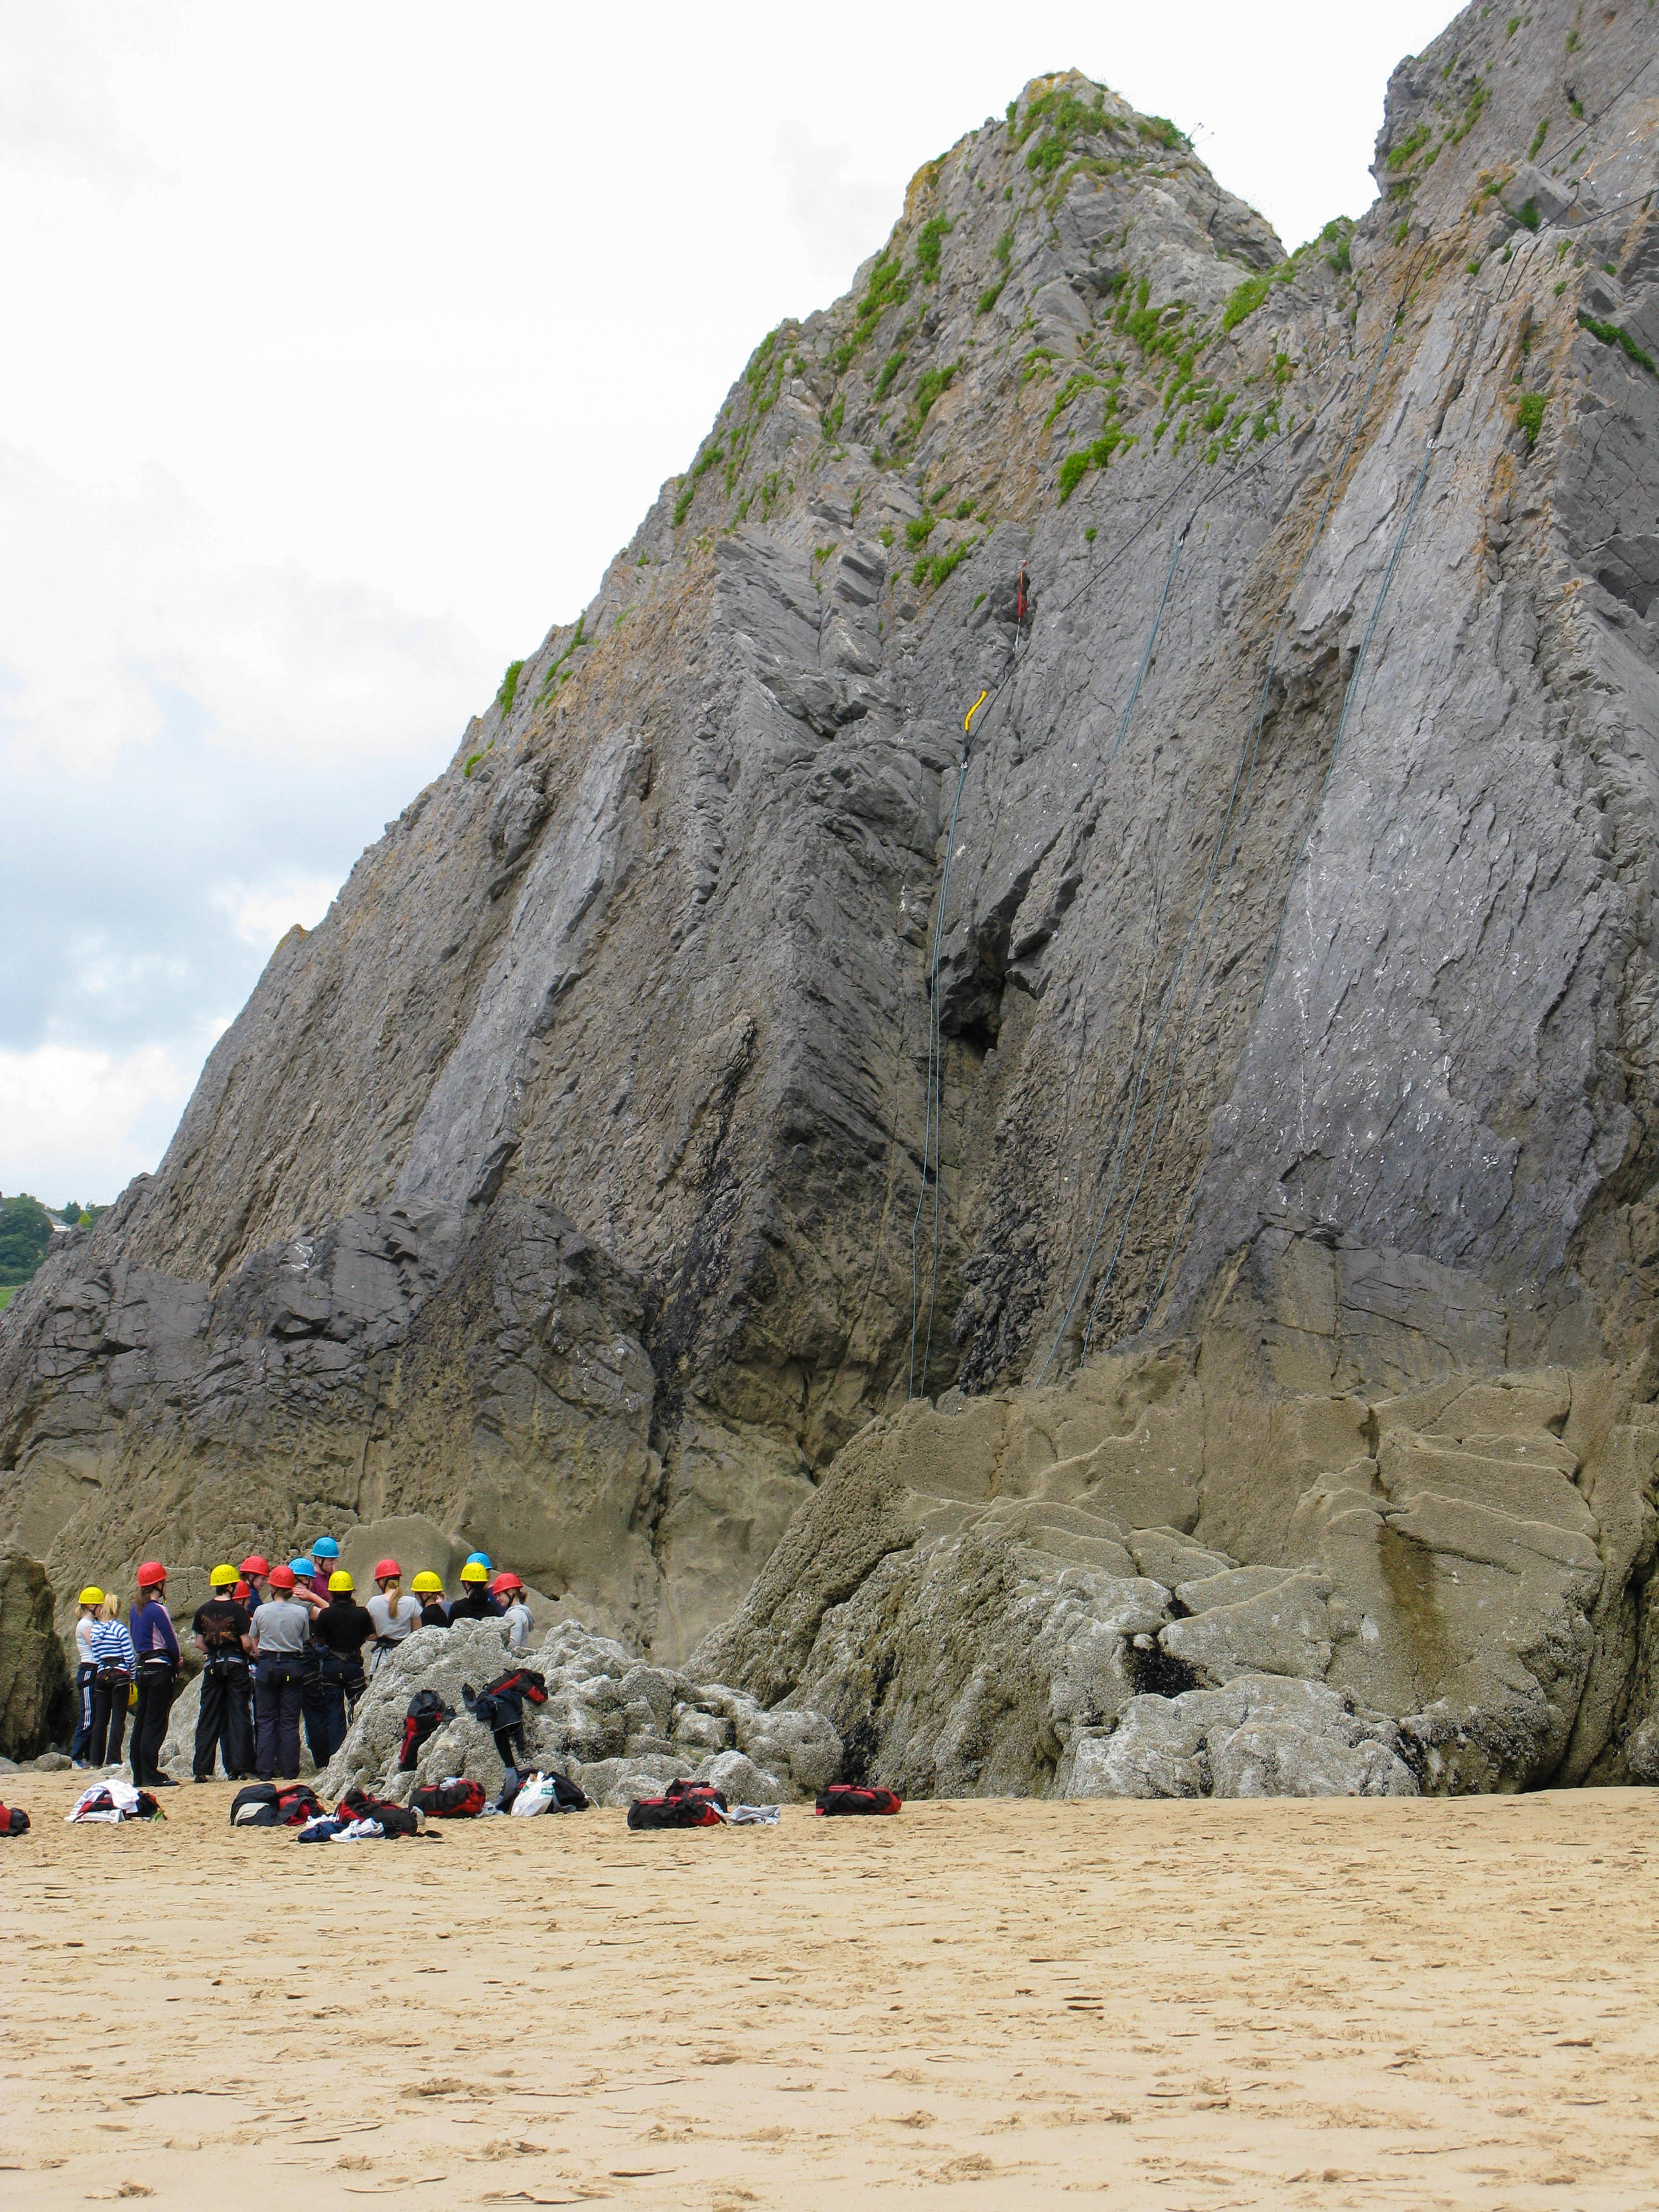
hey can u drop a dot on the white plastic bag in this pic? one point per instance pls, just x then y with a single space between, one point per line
535 1795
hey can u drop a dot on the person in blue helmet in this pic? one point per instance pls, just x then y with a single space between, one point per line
315 1702
326 1553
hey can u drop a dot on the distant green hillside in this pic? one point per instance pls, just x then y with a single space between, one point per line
26 1233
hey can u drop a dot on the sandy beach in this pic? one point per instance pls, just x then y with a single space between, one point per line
1280 2003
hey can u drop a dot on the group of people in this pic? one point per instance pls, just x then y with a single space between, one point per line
280 1646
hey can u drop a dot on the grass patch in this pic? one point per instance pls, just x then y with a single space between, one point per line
890 369
1408 147
1077 465
930 384
888 287
1610 334
929 243
941 567
988 298
700 468
472 760
509 691
1538 138
1530 415
553 677
1244 299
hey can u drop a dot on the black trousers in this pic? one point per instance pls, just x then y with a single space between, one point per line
317 1702
226 1721
156 1685
109 1721
276 1721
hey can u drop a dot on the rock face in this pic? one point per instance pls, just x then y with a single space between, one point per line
36 1695
732 1045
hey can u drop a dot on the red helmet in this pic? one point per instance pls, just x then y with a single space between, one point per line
388 1571
281 1578
151 1572
506 1582
254 1565
241 1591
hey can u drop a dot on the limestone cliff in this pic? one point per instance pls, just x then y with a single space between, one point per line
607 1157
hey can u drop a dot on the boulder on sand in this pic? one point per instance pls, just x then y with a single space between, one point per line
618 1727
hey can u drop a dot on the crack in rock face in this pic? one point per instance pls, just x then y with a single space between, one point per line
1160 1292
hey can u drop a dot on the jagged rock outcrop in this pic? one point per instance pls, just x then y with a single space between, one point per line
1296 981
616 1724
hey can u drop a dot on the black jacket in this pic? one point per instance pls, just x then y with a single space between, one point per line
343 1626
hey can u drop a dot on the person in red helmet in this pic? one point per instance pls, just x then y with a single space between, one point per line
395 1612
508 1591
254 1571
280 1633
155 1645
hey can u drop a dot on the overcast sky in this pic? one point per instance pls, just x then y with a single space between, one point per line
343 346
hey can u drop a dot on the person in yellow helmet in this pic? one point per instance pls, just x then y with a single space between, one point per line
474 1602
221 1628
86 1670
429 1588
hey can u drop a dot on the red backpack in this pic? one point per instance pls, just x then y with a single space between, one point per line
450 1801
853 1797
275 1805
13 1821
682 1805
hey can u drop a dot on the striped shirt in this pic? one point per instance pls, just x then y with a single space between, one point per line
111 1646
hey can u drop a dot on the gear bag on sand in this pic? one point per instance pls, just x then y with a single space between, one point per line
275 1805
854 1797
394 1820
13 1821
427 1714
454 1800
682 1805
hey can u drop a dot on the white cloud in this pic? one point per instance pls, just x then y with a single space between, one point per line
79 1124
840 220
263 917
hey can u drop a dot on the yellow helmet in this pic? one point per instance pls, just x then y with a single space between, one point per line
339 1580
426 1584
472 1572
223 1578
90 1596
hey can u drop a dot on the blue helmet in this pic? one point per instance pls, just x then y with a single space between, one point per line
302 1567
325 1549
481 1559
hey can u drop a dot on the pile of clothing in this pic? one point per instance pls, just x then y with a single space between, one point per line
112 1802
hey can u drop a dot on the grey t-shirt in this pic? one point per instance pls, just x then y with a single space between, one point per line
281 1626
408 1616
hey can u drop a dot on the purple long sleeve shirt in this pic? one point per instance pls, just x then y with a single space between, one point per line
152 1631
